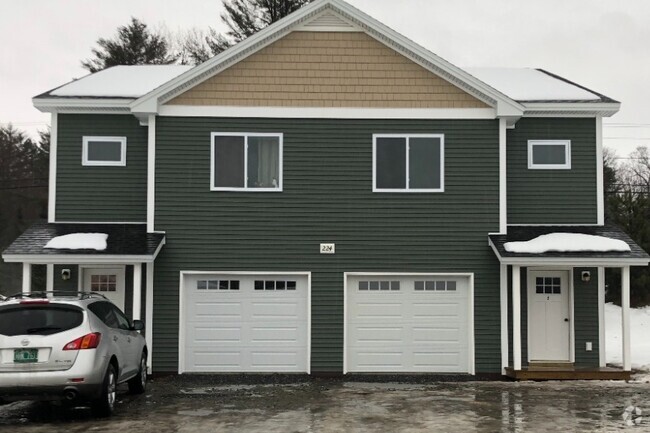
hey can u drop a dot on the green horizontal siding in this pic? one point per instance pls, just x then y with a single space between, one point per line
109 194
327 197
585 317
552 196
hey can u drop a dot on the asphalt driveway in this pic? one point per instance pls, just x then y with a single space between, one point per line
206 404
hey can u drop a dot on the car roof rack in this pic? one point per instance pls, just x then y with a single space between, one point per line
55 293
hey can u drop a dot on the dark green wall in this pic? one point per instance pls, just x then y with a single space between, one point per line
71 285
552 196
327 197
103 194
585 317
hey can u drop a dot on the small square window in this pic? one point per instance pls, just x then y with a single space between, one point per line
557 290
201 285
213 285
539 288
374 285
103 151
384 285
549 154
291 285
419 285
223 284
440 285
394 285
269 285
430 285
234 284
280 285
363 285
259 285
451 286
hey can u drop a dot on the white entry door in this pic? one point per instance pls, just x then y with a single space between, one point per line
403 323
244 323
107 281
548 316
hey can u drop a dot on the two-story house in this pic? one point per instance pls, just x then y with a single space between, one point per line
329 197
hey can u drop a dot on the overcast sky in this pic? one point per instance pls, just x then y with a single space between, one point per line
601 44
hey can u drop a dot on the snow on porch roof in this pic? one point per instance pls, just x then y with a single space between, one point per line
120 82
635 256
125 242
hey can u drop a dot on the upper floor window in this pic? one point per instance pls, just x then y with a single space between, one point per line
104 151
246 162
549 154
408 163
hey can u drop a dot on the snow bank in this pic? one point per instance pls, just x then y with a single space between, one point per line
122 81
79 241
639 334
525 84
567 243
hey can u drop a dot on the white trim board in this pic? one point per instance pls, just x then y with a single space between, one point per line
181 307
326 113
51 194
470 301
532 165
87 139
151 173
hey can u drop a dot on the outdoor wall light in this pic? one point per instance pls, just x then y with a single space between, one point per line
65 274
586 276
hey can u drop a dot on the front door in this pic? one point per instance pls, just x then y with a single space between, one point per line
548 316
107 281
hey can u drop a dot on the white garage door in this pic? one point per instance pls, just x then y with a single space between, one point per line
245 323
408 324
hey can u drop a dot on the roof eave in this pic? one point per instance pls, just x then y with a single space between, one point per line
49 105
604 109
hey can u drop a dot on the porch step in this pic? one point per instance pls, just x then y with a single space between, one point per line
550 366
576 373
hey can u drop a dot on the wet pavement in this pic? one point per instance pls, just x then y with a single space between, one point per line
207 404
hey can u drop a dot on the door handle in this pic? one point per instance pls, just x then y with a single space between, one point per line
566 320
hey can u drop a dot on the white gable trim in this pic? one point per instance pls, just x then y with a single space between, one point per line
505 106
328 21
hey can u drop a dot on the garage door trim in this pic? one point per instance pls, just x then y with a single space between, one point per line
181 308
470 307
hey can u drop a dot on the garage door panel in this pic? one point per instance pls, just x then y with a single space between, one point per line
420 327
245 330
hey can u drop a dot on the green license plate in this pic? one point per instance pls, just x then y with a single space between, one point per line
25 355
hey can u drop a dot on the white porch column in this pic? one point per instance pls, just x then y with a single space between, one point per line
49 278
516 317
27 277
504 319
148 328
601 317
625 307
137 291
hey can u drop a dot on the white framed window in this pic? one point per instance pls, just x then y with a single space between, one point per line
246 161
103 151
549 154
408 162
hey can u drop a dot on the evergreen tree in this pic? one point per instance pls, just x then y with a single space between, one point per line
244 18
134 44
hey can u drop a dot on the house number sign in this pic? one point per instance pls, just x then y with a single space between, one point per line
327 248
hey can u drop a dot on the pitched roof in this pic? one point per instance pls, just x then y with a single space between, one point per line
130 240
525 233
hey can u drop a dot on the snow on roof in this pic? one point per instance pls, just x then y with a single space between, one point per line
567 243
79 241
525 84
121 81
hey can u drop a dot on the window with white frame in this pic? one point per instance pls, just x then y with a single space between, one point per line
104 151
408 162
246 162
549 154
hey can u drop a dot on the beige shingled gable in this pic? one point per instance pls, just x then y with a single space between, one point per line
327 69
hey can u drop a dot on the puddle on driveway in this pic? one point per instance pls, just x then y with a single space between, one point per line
176 405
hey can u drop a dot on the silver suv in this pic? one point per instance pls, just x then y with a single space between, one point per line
74 347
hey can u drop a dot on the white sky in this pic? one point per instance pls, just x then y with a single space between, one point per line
601 44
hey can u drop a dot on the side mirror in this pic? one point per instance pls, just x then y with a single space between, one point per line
138 325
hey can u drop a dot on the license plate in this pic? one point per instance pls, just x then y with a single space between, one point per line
25 355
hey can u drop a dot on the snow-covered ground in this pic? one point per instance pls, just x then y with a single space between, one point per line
640 336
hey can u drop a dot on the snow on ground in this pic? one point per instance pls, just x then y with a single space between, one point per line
79 241
639 334
566 242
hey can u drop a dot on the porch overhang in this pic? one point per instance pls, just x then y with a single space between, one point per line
635 257
126 244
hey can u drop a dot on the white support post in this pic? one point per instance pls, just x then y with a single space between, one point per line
136 313
27 277
601 317
504 319
49 278
625 304
148 328
516 317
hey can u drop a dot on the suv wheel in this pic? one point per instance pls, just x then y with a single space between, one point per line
138 384
105 404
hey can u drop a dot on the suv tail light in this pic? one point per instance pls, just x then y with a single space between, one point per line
88 341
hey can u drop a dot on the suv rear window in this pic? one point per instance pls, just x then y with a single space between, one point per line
38 320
